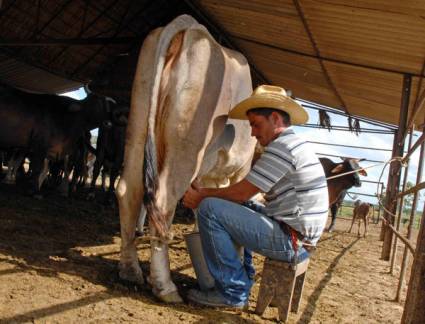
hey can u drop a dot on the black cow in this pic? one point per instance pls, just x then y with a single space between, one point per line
46 126
110 150
338 185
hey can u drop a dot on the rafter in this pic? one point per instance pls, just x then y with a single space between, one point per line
66 41
317 51
82 31
120 28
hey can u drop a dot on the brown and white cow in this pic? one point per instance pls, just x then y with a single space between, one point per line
361 212
184 87
338 186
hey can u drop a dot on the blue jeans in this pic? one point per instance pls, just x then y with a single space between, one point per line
221 223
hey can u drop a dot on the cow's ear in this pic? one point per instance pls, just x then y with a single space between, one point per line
363 172
338 169
74 107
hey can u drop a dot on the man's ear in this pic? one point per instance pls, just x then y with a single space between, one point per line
275 116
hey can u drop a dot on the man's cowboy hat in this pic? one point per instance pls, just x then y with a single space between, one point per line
267 96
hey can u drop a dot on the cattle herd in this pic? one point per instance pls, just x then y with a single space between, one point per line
52 133
178 131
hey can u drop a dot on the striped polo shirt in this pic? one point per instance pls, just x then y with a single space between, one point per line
293 179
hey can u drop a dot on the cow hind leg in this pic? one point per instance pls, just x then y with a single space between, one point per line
334 210
64 186
110 197
366 221
96 171
352 223
129 205
160 277
358 228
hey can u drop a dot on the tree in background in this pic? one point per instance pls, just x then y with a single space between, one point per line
408 202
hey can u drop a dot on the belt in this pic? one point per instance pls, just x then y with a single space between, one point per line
297 238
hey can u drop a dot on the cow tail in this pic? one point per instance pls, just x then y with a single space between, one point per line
150 163
150 178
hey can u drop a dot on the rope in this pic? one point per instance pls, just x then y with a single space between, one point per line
403 164
397 158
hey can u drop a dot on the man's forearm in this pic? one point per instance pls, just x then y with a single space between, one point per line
238 192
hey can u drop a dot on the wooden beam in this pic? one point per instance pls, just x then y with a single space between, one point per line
414 147
120 28
317 51
405 260
402 238
419 100
82 31
347 129
67 41
415 300
317 106
400 207
395 169
326 58
414 189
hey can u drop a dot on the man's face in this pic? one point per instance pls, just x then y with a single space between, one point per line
263 128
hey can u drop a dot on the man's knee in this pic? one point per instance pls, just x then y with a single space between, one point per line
207 206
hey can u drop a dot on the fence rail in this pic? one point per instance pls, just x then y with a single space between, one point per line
403 239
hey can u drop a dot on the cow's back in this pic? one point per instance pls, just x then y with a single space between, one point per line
362 209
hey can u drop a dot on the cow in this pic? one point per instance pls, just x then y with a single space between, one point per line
337 186
361 212
15 161
46 126
110 150
79 161
178 131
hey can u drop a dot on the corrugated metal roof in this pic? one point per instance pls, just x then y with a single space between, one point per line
30 78
351 55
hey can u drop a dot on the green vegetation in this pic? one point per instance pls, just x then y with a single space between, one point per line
346 211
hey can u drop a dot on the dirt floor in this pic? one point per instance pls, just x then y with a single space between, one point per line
59 257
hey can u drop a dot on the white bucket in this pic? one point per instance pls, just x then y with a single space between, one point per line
194 246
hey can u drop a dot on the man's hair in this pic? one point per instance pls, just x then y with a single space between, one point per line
266 112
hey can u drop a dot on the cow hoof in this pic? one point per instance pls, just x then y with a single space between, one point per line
91 196
38 196
9 181
171 298
132 275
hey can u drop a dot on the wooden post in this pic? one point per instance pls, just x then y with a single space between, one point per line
394 173
415 300
410 227
400 209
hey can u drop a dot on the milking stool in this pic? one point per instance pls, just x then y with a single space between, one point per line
282 283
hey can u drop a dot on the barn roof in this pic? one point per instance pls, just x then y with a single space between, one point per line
350 55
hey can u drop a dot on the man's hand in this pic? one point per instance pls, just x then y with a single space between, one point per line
193 196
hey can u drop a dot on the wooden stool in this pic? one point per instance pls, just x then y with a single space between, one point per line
279 283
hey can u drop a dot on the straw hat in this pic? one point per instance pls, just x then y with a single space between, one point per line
267 96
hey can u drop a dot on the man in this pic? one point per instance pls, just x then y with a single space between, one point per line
296 194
